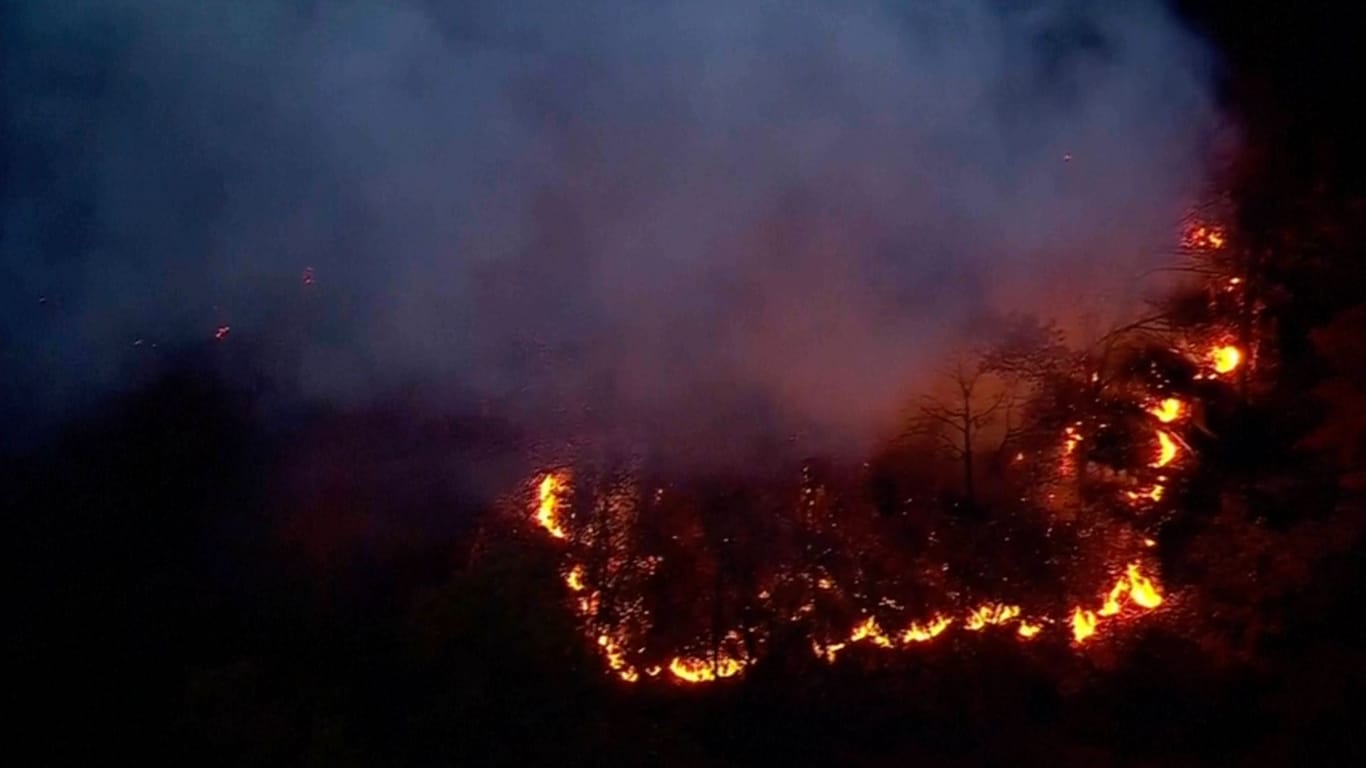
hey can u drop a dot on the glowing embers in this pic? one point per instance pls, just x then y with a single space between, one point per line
548 507
1070 439
1027 630
1204 237
1226 358
1153 494
1166 451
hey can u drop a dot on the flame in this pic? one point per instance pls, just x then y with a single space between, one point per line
574 579
917 633
1154 494
1142 591
547 511
1083 624
1167 450
1070 443
1168 410
828 652
1133 588
616 659
1204 237
1111 606
991 614
868 629
691 669
1225 358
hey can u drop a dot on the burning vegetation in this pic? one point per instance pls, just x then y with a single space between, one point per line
1079 450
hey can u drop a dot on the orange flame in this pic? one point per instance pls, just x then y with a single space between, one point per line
991 614
616 659
1111 606
917 633
869 630
547 511
1225 358
1142 591
1083 624
1168 410
691 669
1167 450
1133 588
574 579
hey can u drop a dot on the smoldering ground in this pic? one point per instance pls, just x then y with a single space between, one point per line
679 224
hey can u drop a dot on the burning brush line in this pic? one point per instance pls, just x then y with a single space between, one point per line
1133 594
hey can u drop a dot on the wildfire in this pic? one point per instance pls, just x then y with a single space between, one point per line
1152 494
574 579
1083 624
1166 451
1225 358
868 629
1072 438
548 510
1168 410
1132 593
917 633
1142 592
616 659
991 614
691 669
827 652
1204 237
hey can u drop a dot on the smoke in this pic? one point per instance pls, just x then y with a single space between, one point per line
688 223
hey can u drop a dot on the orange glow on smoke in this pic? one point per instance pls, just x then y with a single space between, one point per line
548 508
1166 451
1205 238
1225 358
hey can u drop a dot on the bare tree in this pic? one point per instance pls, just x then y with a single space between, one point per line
958 419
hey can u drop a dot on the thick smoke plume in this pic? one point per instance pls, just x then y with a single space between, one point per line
670 222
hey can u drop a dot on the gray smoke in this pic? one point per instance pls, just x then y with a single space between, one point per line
712 220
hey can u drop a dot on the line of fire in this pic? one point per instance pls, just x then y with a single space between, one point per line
1066 467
